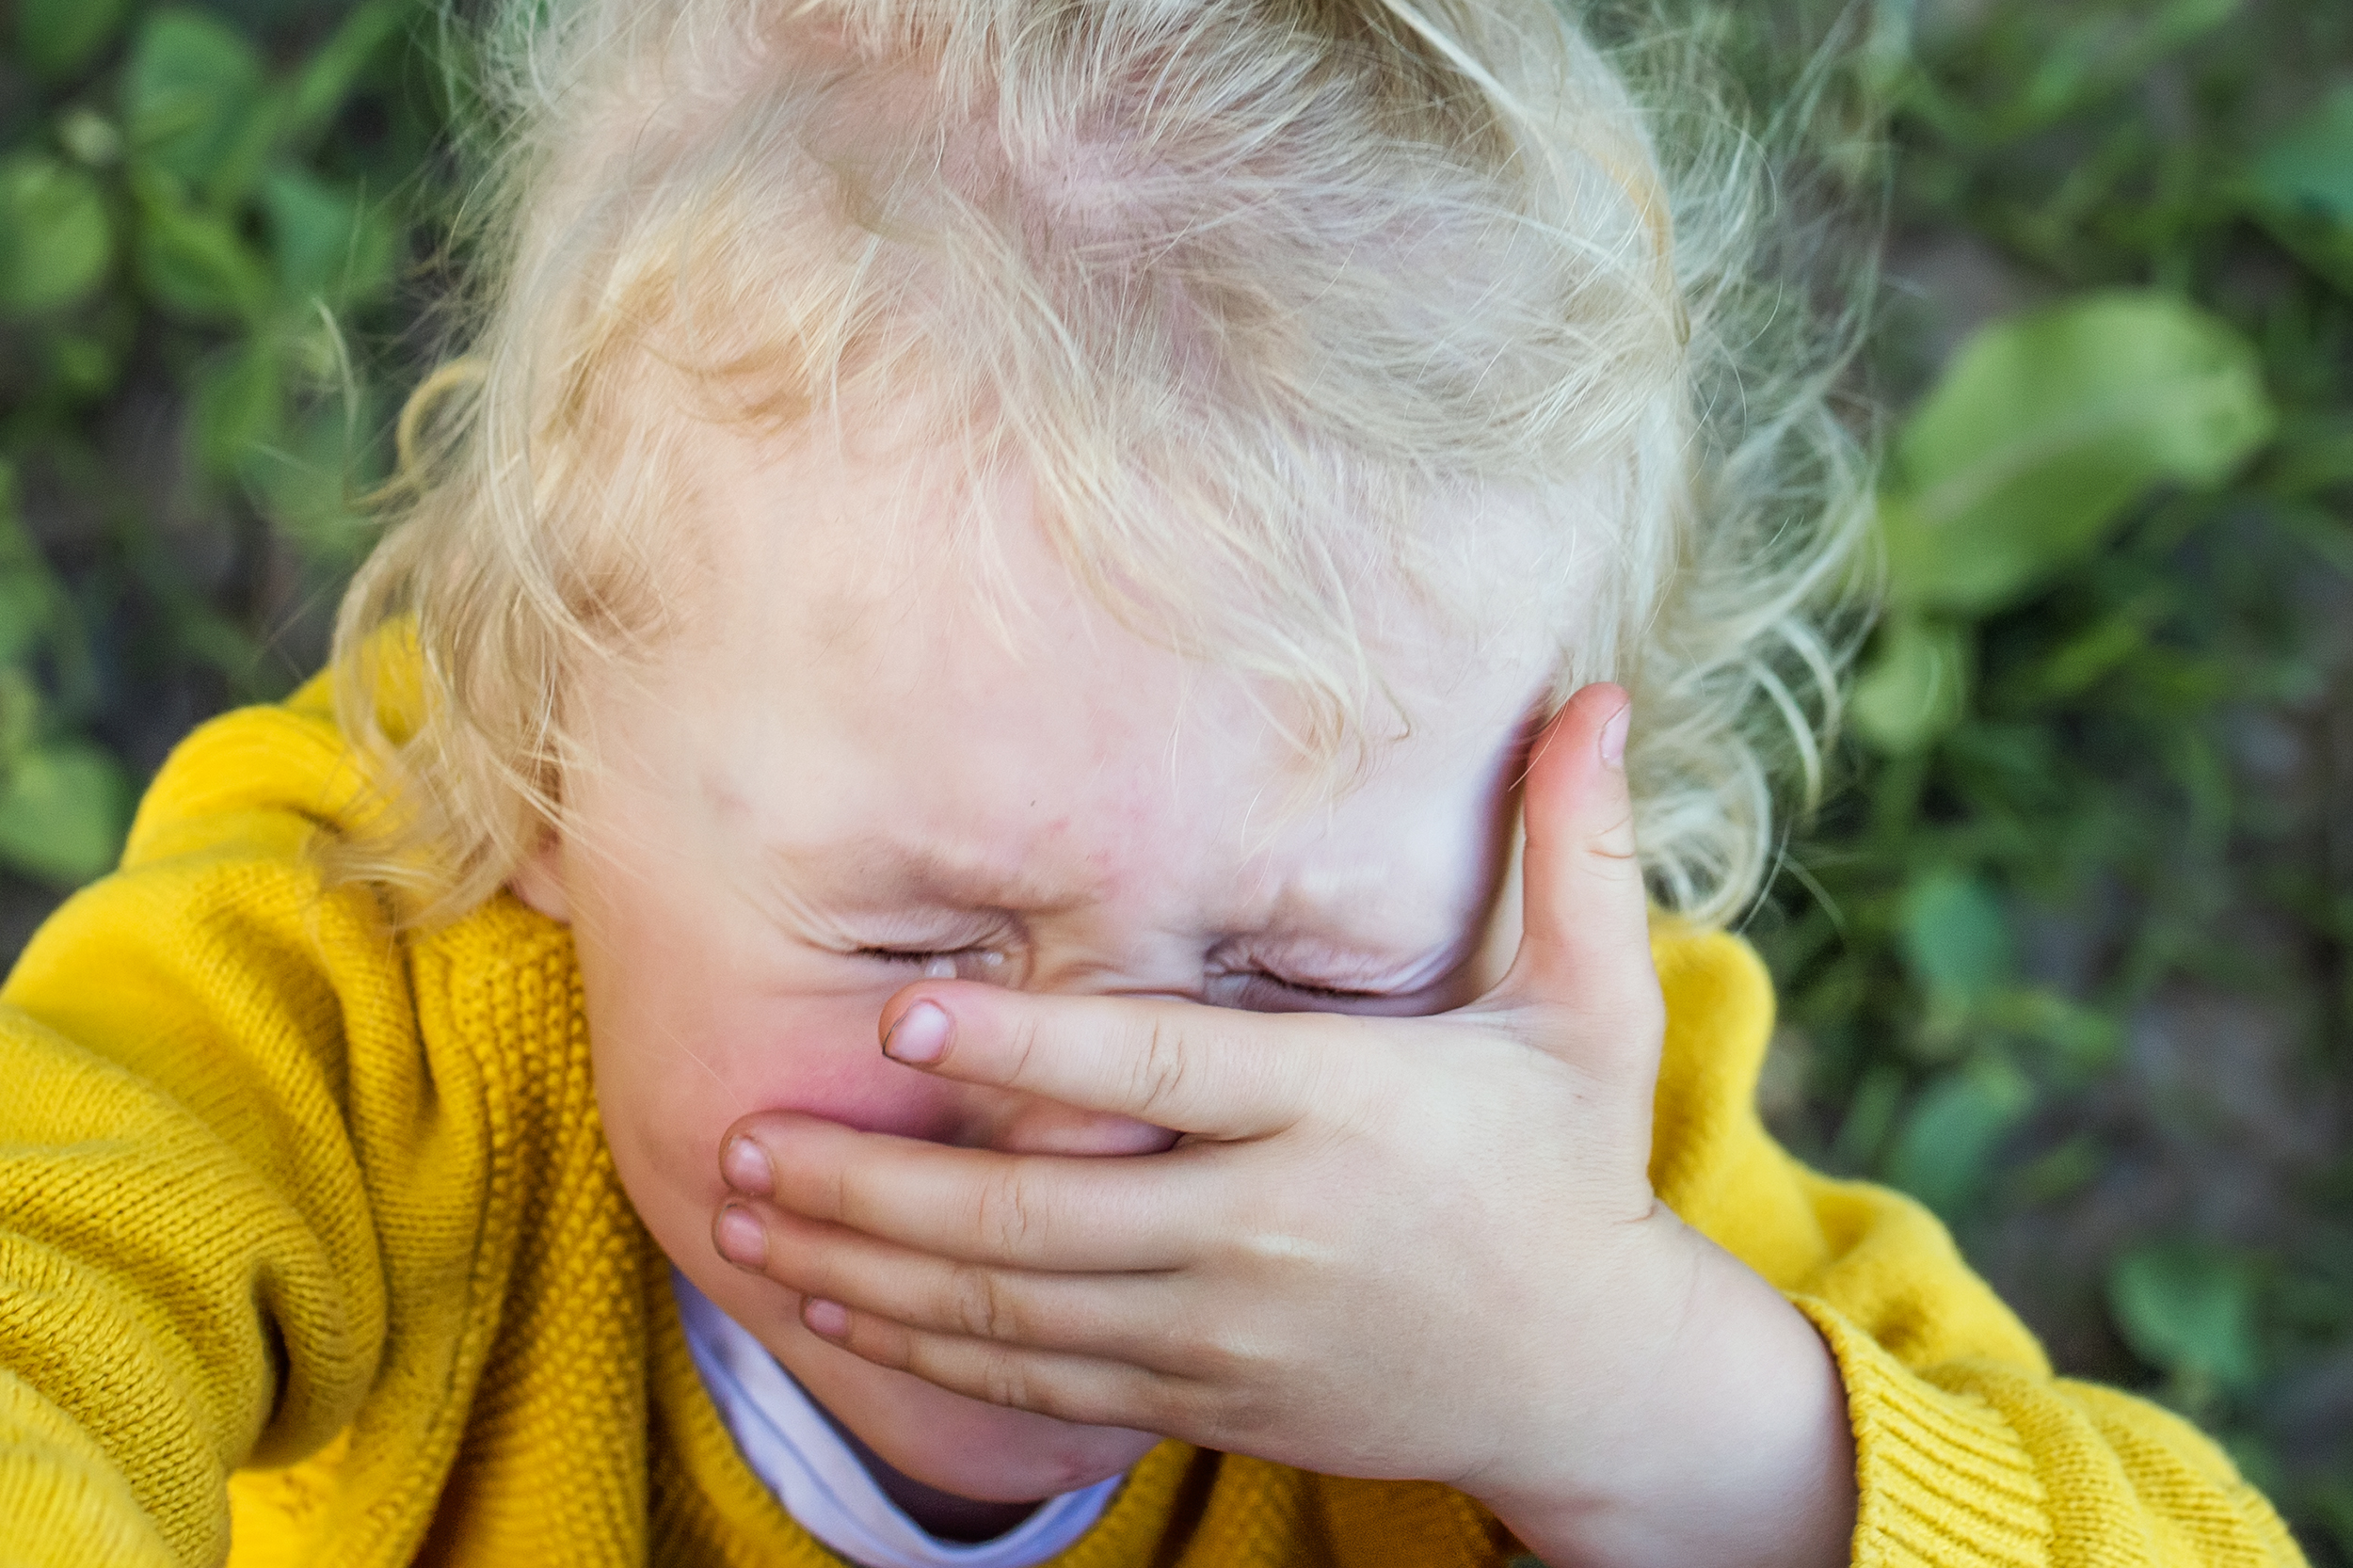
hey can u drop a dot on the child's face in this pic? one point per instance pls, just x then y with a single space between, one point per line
840 768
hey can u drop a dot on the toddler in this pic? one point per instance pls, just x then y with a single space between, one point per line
967 893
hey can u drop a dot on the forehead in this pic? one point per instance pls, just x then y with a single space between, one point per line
875 554
876 654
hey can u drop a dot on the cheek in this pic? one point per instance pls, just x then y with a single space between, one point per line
686 1036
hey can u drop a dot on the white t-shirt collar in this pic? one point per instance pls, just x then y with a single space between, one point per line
790 1445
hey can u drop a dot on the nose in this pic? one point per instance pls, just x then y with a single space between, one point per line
1017 1122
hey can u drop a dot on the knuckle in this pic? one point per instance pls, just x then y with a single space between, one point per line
1228 1359
1008 1213
1150 1399
1004 1381
1283 1244
1021 1045
1160 1069
839 1196
976 1304
1206 1348
1614 840
1219 1417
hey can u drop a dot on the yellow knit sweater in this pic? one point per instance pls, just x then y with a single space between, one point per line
311 1252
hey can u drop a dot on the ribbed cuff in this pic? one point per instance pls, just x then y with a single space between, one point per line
1941 1477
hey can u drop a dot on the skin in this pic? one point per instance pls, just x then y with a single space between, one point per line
1380 1208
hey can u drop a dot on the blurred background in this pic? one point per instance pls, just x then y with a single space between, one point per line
2069 950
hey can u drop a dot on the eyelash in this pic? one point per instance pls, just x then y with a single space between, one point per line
926 956
1300 988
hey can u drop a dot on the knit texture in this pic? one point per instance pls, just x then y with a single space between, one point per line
311 1252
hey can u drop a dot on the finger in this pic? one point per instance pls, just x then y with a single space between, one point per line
1098 1315
1086 1389
1065 1212
1585 925
1211 1071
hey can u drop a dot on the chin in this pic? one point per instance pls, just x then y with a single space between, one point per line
954 1444
966 1447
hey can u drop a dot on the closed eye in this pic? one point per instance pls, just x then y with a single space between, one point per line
1253 989
1262 991
1306 988
955 959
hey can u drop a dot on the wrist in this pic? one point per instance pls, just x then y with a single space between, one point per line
1726 1441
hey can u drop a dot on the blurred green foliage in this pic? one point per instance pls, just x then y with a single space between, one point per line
204 214
2099 769
2067 953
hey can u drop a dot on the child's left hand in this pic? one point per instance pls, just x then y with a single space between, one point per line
1391 1247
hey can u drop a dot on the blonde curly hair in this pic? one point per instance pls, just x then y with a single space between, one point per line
1268 297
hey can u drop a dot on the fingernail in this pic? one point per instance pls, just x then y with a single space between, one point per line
1614 736
827 1319
920 1038
744 1164
740 1239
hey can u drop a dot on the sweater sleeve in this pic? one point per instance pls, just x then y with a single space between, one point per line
189 1261
1969 1453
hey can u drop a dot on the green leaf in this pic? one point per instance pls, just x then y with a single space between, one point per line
308 490
2097 54
84 366
2081 1040
2308 166
195 264
2075 666
1956 936
1945 1147
54 240
329 243
194 103
28 595
56 37
1915 686
2047 62
28 600
2043 430
237 405
63 812
1870 1111
2332 1501
27 590
89 138
2064 1171
20 714
2256 1460
2188 1309
2301 186
327 79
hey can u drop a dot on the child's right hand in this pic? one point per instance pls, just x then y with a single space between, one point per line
1396 1247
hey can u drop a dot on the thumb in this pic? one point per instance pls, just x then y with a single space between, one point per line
1585 917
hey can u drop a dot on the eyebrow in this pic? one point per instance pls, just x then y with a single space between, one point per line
895 869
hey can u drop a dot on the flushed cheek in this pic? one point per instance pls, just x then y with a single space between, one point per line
669 1091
